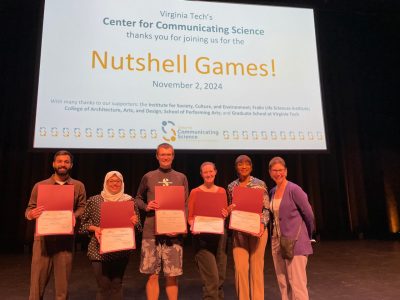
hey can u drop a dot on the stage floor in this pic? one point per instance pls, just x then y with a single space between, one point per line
367 270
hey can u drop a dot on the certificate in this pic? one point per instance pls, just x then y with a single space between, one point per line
117 239
248 199
117 230
170 221
203 224
244 221
207 212
246 215
116 214
54 222
170 217
170 197
57 216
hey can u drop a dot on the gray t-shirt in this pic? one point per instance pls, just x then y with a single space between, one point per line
146 190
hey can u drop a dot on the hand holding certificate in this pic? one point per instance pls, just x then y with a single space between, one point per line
170 216
207 212
57 217
248 206
117 231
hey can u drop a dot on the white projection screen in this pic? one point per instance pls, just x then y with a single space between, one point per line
127 74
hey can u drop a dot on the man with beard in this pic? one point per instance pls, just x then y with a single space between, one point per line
54 251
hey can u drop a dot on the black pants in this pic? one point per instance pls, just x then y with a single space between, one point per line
109 277
211 257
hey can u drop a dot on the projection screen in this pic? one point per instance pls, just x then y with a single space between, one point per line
132 74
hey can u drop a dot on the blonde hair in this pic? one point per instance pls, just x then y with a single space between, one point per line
207 163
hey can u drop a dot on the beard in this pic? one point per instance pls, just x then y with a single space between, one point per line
62 171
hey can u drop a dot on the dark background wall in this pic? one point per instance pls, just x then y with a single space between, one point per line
353 188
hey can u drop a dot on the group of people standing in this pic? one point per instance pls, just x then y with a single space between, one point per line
286 209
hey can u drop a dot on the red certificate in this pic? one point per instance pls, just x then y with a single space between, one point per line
170 197
246 215
57 216
207 212
117 230
170 216
248 199
209 204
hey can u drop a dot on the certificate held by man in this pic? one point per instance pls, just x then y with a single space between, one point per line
207 212
248 206
170 216
117 230
57 217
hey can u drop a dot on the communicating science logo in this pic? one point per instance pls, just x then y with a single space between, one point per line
169 131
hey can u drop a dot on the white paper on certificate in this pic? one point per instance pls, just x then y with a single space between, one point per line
53 222
170 221
117 239
245 221
208 224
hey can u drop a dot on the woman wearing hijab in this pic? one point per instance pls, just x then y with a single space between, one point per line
108 268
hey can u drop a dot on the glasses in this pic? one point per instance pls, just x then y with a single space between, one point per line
114 181
278 171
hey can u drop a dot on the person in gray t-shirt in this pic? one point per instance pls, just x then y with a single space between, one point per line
160 250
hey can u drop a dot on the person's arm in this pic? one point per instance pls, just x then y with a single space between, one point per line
140 195
266 204
229 192
265 211
88 225
138 225
86 218
264 215
300 198
80 201
32 211
96 231
186 188
190 208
